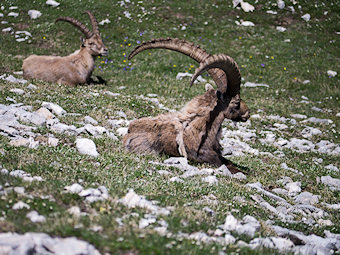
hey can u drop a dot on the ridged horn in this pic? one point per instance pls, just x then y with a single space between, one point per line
87 32
228 66
94 22
186 48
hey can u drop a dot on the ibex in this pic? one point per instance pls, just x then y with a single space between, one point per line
194 131
73 69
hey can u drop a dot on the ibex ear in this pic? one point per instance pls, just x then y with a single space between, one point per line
219 95
82 40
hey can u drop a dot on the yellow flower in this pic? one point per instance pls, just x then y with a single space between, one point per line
44 37
149 54
129 44
121 45
240 37
103 62
124 60
102 209
124 54
272 57
250 57
174 65
284 68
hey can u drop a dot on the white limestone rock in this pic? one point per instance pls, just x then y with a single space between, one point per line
41 243
96 131
34 216
54 108
306 17
87 147
333 183
306 198
212 180
20 205
308 132
90 120
53 3
74 188
34 14
281 4
17 91
132 200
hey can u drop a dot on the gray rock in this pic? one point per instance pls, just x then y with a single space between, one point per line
328 147
74 188
90 120
17 91
31 87
25 176
27 142
316 109
43 244
122 131
96 131
299 116
333 183
111 135
209 211
45 113
317 120
9 130
306 198
230 223
313 242
308 132
293 187
34 216
109 93
212 180
11 78
20 205
53 141
54 108
87 147
332 168
63 128
279 243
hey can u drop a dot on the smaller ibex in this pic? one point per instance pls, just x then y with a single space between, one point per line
195 131
73 69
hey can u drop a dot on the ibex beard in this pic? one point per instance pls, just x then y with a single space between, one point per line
195 131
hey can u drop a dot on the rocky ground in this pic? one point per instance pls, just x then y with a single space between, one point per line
291 203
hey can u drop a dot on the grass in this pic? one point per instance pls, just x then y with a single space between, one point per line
263 56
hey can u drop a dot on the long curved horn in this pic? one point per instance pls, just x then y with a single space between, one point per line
228 66
186 48
87 32
94 22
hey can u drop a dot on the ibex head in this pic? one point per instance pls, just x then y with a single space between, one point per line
227 77
222 68
93 41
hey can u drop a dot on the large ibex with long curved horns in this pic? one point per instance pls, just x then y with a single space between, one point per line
73 69
194 131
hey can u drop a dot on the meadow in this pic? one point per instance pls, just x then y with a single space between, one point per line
289 148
